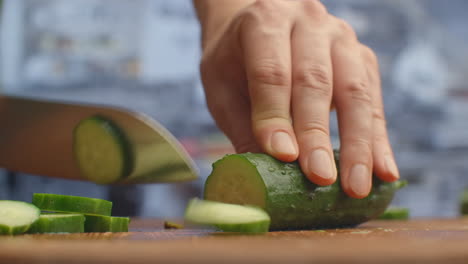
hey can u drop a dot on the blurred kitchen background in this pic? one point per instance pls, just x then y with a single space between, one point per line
143 55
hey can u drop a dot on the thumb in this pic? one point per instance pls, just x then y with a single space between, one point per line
233 119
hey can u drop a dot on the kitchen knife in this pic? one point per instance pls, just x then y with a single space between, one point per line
36 137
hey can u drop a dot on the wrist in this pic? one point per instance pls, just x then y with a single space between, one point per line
214 15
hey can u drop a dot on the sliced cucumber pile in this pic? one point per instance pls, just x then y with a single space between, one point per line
62 214
228 217
106 224
72 204
395 213
58 223
102 151
17 217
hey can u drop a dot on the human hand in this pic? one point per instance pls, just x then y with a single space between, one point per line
273 71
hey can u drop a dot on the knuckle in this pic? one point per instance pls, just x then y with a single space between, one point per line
264 5
314 8
316 77
345 29
379 124
369 55
379 115
276 115
314 127
263 10
363 145
380 138
249 18
358 90
271 73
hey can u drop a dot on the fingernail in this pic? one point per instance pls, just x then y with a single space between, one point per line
320 164
281 143
359 180
391 166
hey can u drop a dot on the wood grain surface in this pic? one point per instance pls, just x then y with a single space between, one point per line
415 241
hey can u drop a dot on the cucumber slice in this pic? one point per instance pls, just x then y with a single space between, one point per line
16 217
72 204
106 224
102 151
58 223
228 217
172 225
395 213
291 200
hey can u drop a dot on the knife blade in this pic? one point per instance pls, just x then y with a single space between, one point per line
36 137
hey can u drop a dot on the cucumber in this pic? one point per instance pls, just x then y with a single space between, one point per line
227 217
17 217
102 151
464 203
58 223
291 200
71 204
106 224
172 225
395 213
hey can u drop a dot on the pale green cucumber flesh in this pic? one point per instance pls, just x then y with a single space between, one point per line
72 204
241 178
102 151
395 213
58 223
291 200
106 224
227 217
16 217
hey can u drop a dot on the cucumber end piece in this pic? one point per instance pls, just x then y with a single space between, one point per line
235 180
102 151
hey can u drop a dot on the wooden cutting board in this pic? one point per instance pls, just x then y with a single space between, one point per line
415 241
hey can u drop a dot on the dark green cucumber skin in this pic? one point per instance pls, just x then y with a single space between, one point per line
464 208
119 136
67 204
43 225
293 202
98 224
464 203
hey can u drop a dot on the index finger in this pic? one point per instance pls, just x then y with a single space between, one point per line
267 58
